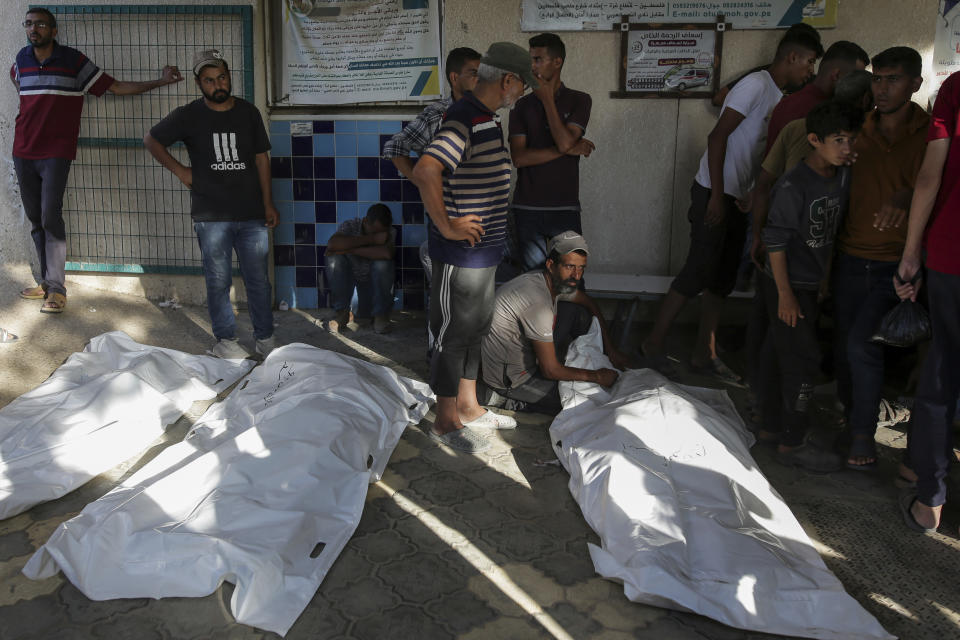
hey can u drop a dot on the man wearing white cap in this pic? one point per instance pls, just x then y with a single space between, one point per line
536 316
231 202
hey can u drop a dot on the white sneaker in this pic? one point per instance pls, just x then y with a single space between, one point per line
265 346
491 420
229 350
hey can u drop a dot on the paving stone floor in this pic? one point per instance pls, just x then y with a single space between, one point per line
451 545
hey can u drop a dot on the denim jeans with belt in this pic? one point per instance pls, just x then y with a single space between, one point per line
218 241
863 293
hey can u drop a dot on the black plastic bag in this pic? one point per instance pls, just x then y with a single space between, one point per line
904 326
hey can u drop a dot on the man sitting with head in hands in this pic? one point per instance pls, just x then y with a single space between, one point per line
536 317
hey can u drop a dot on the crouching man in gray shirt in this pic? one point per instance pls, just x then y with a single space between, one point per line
536 316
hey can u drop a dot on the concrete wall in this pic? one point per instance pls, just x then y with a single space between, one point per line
635 186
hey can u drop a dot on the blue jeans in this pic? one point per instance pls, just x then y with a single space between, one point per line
218 241
374 290
532 230
863 293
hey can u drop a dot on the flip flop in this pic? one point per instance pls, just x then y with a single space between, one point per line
33 293
719 370
55 303
461 439
6 336
905 502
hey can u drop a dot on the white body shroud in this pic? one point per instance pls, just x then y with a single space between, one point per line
100 408
664 475
275 474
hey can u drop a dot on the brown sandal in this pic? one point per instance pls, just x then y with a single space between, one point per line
54 303
34 293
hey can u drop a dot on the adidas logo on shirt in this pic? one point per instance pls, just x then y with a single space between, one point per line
225 150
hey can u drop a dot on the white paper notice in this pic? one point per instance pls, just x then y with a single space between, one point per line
340 52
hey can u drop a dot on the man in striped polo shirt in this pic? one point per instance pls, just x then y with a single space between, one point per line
464 180
52 80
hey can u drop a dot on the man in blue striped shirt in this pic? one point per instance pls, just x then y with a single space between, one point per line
464 180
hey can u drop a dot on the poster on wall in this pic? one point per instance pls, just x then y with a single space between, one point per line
354 51
669 63
946 44
589 15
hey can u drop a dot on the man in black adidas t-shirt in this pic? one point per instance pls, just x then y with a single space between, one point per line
231 200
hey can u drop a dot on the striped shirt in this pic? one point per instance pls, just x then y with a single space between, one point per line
51 99
476 180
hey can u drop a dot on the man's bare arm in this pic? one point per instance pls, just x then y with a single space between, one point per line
158 151
169 75
551 368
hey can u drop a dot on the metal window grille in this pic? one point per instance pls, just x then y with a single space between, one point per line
123 211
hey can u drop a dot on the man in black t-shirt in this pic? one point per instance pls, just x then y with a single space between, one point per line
230 196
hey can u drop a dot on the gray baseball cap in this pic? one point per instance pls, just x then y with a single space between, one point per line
207 58
513 58
564 243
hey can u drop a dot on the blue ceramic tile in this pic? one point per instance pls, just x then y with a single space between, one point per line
368 190
280 126
321 281
388 170
324 190
280 145
368 168
283 255
345 126
285 209
346 190
398 300
390 190
325 211
303 168
285 277
410 191
368 126
303 212
283 233
321 253
397 280
390 126
414 234
323 145
396 211
409 257
346 144
404 123
301 146
413 213
414 301
306 276
305 255
323 233
323 168
304 234
398 238
368 145
411 279
323 301
303 190
306 297
346 168
280 167
346 211
282 190
323 126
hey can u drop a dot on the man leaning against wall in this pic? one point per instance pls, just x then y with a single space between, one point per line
52 80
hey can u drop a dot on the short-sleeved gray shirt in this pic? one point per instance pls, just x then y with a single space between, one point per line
523 311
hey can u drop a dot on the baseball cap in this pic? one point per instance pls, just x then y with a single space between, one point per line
564 243
207 58
513 58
